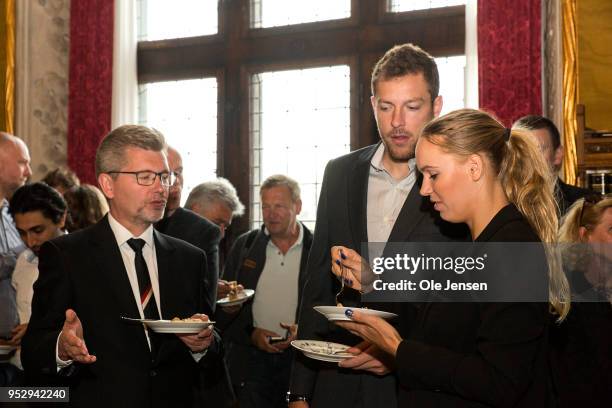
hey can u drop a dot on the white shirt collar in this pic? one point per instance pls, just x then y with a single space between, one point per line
122 234
297 242
377 160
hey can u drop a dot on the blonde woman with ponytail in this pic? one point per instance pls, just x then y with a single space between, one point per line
509 164
495 180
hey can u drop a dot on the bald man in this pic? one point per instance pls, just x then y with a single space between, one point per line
189 226
14 165
14 172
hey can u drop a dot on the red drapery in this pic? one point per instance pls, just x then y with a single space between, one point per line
90 84
509 58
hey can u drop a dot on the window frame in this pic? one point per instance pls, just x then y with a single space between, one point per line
237 51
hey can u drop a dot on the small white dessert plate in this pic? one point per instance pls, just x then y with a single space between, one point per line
337 313
322 350
242 297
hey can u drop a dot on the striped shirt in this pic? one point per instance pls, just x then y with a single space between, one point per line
10 248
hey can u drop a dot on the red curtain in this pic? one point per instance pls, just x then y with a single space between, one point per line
90 82
509 58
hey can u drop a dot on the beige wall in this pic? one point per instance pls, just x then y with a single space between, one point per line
41 88
595 61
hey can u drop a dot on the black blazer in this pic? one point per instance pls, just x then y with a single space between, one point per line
342 220
479 354
581 350
245 263
190 227
84 271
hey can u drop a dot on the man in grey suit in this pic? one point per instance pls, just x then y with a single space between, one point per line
370 195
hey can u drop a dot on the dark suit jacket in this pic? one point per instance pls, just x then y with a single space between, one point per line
245 263
190 227
479 354
84 271
566 195
341 220
582 350
196 230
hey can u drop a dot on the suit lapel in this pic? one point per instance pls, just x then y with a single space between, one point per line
410 214
108 258
163 250
358 197
114 277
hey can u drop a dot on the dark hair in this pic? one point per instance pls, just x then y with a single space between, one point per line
86 206
535 122
407 59
61 177
38 197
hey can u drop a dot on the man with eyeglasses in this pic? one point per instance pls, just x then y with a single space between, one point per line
122 267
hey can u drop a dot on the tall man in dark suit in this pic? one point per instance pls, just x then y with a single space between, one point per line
369 195
548 138
121 267
189 226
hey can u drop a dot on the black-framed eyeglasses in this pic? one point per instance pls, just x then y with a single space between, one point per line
147 177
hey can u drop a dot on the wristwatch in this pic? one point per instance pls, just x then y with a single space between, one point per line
294 397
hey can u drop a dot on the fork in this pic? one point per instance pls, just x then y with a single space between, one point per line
342 279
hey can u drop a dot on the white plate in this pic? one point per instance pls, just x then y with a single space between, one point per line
336 313
6 349
168 326
242 297
322 350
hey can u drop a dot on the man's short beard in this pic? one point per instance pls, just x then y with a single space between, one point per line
400 158
396 156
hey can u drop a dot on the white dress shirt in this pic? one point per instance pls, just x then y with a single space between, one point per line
386 196
122 235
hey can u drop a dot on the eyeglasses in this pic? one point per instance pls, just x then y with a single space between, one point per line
147 178
591 200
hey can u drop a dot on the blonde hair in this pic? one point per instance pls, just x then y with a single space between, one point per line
280 180
522 172
582 214
586 213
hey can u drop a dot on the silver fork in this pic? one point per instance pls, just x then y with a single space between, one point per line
342 279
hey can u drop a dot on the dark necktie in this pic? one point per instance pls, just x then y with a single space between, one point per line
147 299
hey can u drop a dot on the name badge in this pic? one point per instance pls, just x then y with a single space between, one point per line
249 263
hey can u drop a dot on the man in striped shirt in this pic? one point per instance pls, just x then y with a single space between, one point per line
14 172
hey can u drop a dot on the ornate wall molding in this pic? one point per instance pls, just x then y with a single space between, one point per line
552 72
570 89
41 94
7 65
